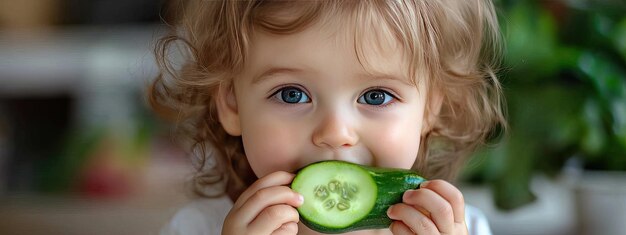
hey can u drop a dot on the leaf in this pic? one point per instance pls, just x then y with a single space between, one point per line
619 38
531 42
594 139
609 82
618 109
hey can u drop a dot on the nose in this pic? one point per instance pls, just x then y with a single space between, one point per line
335 131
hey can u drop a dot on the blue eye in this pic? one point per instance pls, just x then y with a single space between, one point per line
375 97
292 95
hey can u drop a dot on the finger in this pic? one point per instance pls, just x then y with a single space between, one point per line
436 206
451 194
273 179
287 229
267 197
272 218
399 228
412 218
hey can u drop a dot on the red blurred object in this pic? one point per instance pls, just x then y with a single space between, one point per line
104 181
105 175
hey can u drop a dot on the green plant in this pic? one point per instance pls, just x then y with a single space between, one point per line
565 84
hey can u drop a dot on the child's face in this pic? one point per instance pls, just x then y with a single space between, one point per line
304 98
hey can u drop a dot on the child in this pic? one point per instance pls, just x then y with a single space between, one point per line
271 86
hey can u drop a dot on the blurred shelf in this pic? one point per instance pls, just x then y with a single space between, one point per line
161 194
64 60
43 215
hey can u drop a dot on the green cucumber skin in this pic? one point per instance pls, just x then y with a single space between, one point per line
391 183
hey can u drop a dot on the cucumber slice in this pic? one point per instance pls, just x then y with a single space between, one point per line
341 196
336 194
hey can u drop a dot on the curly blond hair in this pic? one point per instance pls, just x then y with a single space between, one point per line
455 44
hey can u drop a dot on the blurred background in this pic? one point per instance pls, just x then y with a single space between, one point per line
80 152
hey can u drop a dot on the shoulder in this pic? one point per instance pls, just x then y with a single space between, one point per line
200 216
477 223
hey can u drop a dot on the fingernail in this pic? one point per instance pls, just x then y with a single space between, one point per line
424 184
389 211
300 198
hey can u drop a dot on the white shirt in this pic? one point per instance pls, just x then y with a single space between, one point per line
205 217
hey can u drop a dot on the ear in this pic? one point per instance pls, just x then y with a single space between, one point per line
227 111
433 108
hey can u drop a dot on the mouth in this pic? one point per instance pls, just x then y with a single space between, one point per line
355 155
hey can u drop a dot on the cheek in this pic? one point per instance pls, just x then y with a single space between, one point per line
270 147
396 143
398 146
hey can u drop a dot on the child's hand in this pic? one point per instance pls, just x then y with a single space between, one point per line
437 207
266 207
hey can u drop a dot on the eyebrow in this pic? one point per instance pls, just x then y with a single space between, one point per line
288 70
273 71
385 76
